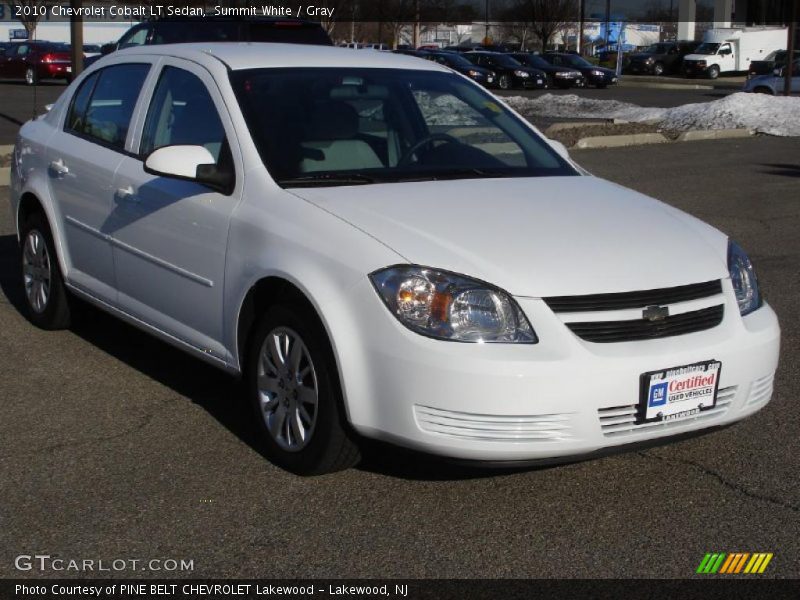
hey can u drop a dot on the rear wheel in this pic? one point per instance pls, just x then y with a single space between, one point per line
295 393
31 78
46 298
504 82
764 90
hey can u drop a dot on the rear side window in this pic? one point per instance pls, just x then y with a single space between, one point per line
80 102
182 112
106 116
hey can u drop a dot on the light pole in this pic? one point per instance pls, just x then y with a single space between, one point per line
486 16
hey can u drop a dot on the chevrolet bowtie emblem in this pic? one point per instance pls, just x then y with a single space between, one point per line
655 313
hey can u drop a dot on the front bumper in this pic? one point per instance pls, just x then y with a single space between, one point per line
559 398
605 79
637 68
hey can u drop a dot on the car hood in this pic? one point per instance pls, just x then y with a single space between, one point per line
697 56
549 236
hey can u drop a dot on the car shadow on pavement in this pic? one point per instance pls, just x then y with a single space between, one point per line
785 170
219 394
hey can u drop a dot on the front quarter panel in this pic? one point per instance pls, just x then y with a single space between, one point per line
277 234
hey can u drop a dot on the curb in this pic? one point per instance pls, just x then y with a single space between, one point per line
641 139
5 172
620 141
668 86
566 126
714 134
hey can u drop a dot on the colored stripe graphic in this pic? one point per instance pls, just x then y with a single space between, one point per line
734 563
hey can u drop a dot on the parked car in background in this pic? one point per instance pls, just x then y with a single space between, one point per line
561 77
412 52
486 77
91 50
661 58
208 29
599 77
774 60
774 83
34 61
510 72
381 249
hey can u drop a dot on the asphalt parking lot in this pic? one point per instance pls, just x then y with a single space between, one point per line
114 445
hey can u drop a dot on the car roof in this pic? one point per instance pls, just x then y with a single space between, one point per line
254 55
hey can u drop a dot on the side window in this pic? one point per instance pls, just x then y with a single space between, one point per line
107 115
80 101
182 112
23 50
135 37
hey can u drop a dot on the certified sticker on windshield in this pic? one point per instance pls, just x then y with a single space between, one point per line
679 392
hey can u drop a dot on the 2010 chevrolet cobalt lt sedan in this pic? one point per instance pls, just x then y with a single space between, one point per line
383 249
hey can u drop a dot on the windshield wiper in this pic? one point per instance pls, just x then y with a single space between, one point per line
327 179
465 173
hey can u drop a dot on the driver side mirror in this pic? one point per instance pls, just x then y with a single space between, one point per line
107 49
190 163
779 72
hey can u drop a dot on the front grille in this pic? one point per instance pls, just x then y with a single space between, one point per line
620 421
641 299
641 329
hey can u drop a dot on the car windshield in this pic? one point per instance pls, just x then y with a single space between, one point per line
455 60
575 61
707 48
504 60
657 49
537 61
344 126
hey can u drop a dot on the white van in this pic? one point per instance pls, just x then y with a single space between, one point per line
733 49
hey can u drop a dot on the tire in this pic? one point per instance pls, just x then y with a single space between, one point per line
764 90
504 83
31 77
713 72
658 69
46 296
320 441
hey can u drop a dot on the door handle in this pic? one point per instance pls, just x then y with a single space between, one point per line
58 167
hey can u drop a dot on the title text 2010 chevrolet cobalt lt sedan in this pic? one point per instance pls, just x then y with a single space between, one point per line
382 249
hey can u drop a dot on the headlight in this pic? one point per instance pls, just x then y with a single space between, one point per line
701 63
452 307
562 74
743 278
522 74
473 73
650 60
597 73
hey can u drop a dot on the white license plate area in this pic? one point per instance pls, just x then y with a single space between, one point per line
678 392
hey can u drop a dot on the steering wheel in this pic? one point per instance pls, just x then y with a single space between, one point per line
441 137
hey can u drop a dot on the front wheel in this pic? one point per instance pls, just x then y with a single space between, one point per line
504 82
295 393
46 298
713 72
658 69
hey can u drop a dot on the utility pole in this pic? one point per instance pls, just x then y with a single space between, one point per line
581 25
76 37
789 68
486 17
608 22
416 23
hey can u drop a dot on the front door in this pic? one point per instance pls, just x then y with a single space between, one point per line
170 235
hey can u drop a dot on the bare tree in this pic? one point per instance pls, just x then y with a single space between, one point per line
32 11
547 17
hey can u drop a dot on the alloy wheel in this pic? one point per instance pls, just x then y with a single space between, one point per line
288 391
30 76
36 269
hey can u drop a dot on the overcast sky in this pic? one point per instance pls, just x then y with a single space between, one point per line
631 9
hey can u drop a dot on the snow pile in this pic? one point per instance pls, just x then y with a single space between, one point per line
773 115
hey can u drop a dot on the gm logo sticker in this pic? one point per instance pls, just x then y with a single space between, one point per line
658 395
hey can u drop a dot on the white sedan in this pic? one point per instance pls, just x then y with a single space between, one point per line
383 249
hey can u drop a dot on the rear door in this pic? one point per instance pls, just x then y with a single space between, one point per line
14 67
84 157
171 235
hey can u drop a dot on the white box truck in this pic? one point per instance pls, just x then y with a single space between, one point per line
733 49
